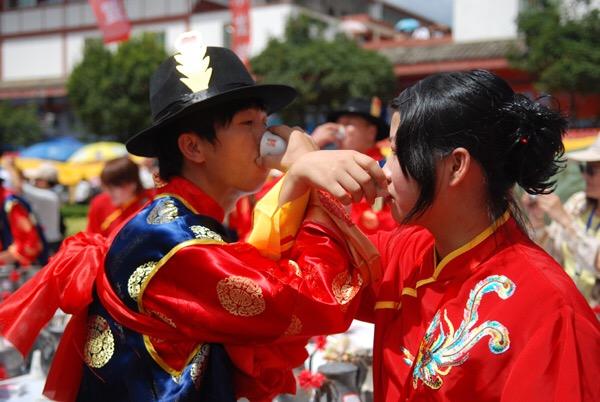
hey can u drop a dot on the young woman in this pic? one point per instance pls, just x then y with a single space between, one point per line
469 308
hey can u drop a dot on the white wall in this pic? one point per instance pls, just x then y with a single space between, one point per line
211 27
32 58
479 20
267 22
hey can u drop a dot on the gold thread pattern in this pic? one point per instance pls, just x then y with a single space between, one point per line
295 267
165 212
193 62
199 363
202 232
100 344
240 296
345 286
138 278
295 326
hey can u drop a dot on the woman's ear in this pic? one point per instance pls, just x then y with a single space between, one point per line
459 164
192 147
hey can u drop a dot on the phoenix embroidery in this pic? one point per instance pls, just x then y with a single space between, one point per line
442 349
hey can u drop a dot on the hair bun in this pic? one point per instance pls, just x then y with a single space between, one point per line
536 142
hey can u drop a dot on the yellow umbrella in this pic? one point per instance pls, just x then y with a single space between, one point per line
98 152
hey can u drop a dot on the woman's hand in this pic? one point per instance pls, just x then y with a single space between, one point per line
347 175
298 144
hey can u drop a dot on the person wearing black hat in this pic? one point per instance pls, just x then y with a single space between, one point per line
359 126
173 311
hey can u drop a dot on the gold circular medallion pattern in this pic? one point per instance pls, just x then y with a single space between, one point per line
100 344
240 296
137 279
345 286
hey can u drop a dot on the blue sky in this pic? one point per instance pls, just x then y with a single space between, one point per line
437 10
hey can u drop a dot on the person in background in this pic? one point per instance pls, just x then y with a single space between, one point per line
359 126
122 197
573 235
469 307
39 192
21 239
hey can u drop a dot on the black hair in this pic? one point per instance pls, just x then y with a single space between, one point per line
514 139
170 158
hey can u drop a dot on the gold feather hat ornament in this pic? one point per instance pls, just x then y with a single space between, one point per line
196 80
368 109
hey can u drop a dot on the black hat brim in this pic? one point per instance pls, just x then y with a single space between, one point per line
383 129
274 97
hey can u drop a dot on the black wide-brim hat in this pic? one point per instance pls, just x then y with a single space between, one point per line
370 110
221 78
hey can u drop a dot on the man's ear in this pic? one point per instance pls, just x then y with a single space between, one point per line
192 147
459 164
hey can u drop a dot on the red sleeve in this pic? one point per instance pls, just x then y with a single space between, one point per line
231 294
27 243
559 363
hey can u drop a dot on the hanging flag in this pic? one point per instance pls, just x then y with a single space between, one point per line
112 19
240 24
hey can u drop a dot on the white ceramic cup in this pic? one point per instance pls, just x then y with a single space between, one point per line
271 144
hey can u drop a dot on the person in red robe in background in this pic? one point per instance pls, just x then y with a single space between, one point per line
165 308
359 126
470 308
122 197
21 240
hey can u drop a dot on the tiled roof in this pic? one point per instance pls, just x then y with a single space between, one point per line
449 51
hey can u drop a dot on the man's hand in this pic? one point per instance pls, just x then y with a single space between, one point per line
298 144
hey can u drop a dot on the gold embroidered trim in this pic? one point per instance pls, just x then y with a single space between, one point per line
380 305
100 344
461 250
199 363
240 296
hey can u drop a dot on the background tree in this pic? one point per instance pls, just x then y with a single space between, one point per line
109 91
562 46
325 72
19 126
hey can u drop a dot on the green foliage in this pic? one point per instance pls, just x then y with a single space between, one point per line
562 51
19 125
325 72
109 91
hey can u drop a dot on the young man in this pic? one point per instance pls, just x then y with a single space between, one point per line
178 313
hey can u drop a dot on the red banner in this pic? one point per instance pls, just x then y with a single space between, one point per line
240 23
112 19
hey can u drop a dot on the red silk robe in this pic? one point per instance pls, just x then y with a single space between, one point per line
496 320
262 310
